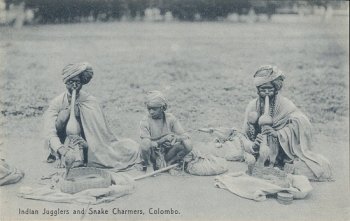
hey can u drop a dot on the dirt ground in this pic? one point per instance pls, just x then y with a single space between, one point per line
205 69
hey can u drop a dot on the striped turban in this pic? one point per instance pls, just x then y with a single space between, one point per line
267 73
72 70
156 99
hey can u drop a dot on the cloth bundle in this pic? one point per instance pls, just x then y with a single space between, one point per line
123 185
206 165
257 189
9 174
229 143
229 150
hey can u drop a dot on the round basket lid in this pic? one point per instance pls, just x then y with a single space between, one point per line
284 196
85 178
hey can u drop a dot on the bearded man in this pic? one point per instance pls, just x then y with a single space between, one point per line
289 136
103 149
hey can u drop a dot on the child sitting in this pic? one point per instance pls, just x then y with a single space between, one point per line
163 140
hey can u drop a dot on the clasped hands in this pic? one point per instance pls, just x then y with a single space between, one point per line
268 130
74 140
167 141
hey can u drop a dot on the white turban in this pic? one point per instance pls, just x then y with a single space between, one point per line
156 99
72 70
265 74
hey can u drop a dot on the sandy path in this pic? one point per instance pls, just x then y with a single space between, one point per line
194 197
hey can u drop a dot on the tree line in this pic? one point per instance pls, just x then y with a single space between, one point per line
64 11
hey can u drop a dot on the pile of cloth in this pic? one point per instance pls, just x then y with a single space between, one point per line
121 185
229 143
257 189
201 164
9 174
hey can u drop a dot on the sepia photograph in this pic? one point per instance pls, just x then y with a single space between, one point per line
174 110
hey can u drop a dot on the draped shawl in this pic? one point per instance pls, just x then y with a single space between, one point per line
105 150
294 135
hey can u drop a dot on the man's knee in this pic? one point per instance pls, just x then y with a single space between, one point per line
187 145
145 146
184 147
249 158
52 151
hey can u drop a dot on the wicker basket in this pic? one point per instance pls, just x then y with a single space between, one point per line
83 178
273 175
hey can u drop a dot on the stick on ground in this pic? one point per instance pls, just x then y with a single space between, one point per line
156 172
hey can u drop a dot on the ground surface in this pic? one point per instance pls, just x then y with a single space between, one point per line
206 71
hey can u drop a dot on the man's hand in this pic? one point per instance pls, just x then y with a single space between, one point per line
62 151
258 140
154 144
167 140
179 139
79 140
166 144
270 131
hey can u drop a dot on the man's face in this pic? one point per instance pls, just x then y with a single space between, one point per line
74 83
266 89
155 112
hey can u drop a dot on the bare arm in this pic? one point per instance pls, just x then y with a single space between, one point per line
51 136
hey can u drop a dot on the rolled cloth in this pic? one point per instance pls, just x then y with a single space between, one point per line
267 73
156 99
72 70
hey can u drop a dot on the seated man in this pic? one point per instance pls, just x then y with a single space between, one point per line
102 148
163 140
289 136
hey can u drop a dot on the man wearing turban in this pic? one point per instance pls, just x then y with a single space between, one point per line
103 148
163 140
290 132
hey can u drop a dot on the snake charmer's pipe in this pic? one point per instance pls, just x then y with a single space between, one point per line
73 127
264 120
